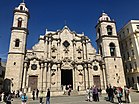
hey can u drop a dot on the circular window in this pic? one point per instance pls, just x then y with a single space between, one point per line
95 68
33 66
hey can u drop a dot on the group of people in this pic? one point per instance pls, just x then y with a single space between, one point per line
118 92
93 93
41 95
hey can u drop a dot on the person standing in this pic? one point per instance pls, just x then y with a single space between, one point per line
9 99
37 93
24 98
41 97
33 94
48 97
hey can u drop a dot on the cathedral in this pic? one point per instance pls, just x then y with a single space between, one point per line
63 57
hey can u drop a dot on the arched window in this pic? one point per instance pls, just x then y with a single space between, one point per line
17 41
19 22
21 7
112 49
109 30
99 32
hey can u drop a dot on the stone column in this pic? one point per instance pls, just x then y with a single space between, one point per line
41 76
58 49
104 77
86 76
74 81
25 76
45 77
58 77
49 76
90 75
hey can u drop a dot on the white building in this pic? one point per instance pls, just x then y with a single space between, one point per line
129 43
63 57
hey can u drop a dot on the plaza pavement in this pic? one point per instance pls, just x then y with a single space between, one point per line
78 100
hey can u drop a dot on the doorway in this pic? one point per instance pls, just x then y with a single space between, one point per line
66 79
33 82
97 81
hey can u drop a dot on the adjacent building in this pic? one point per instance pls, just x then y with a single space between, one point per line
63 57
129 45
2 74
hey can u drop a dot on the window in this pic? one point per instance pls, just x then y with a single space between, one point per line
133 80
132 51
130 66
17 41
109 30
19 22
128 55
21 7
127 30
135 65
112 49
99 32
137 26
100 50
66 44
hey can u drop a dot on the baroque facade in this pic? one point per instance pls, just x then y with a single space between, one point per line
129 40
63 57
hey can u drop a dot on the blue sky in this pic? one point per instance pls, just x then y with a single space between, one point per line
80 15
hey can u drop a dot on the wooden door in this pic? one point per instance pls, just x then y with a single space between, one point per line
97 81
33 81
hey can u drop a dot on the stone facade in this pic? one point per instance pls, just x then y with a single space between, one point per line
129 44
62 58
2 74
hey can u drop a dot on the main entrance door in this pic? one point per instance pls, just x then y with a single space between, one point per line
33 81
66 78
97 81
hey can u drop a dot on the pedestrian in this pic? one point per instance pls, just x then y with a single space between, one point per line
41 97
9 99
127 95
91 94
48 97
69 91
87 94
33 94
95 93
37 93
111 94
20 93
24 98
119 95
2 97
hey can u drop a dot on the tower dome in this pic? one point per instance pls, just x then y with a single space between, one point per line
104 17
22 7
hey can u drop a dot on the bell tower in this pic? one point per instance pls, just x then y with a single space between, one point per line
19 32
108 48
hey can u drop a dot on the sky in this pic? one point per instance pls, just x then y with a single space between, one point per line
80 16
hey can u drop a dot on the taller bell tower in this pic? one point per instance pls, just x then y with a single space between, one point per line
19 32
108 47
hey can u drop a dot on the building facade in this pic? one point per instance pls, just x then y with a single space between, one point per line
63 57
129 44
2 74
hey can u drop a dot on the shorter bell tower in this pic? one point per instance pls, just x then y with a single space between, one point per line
17 48
108 47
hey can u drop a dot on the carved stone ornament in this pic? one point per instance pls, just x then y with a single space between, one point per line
33 66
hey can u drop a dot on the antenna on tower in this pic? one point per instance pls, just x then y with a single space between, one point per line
23 1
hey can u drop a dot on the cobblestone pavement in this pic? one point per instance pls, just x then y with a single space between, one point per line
77 100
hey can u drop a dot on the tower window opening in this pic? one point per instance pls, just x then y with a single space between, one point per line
109 30
99 32
112 49
17 42
21 7
19 22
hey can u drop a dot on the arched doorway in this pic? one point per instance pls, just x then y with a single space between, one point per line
66 78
